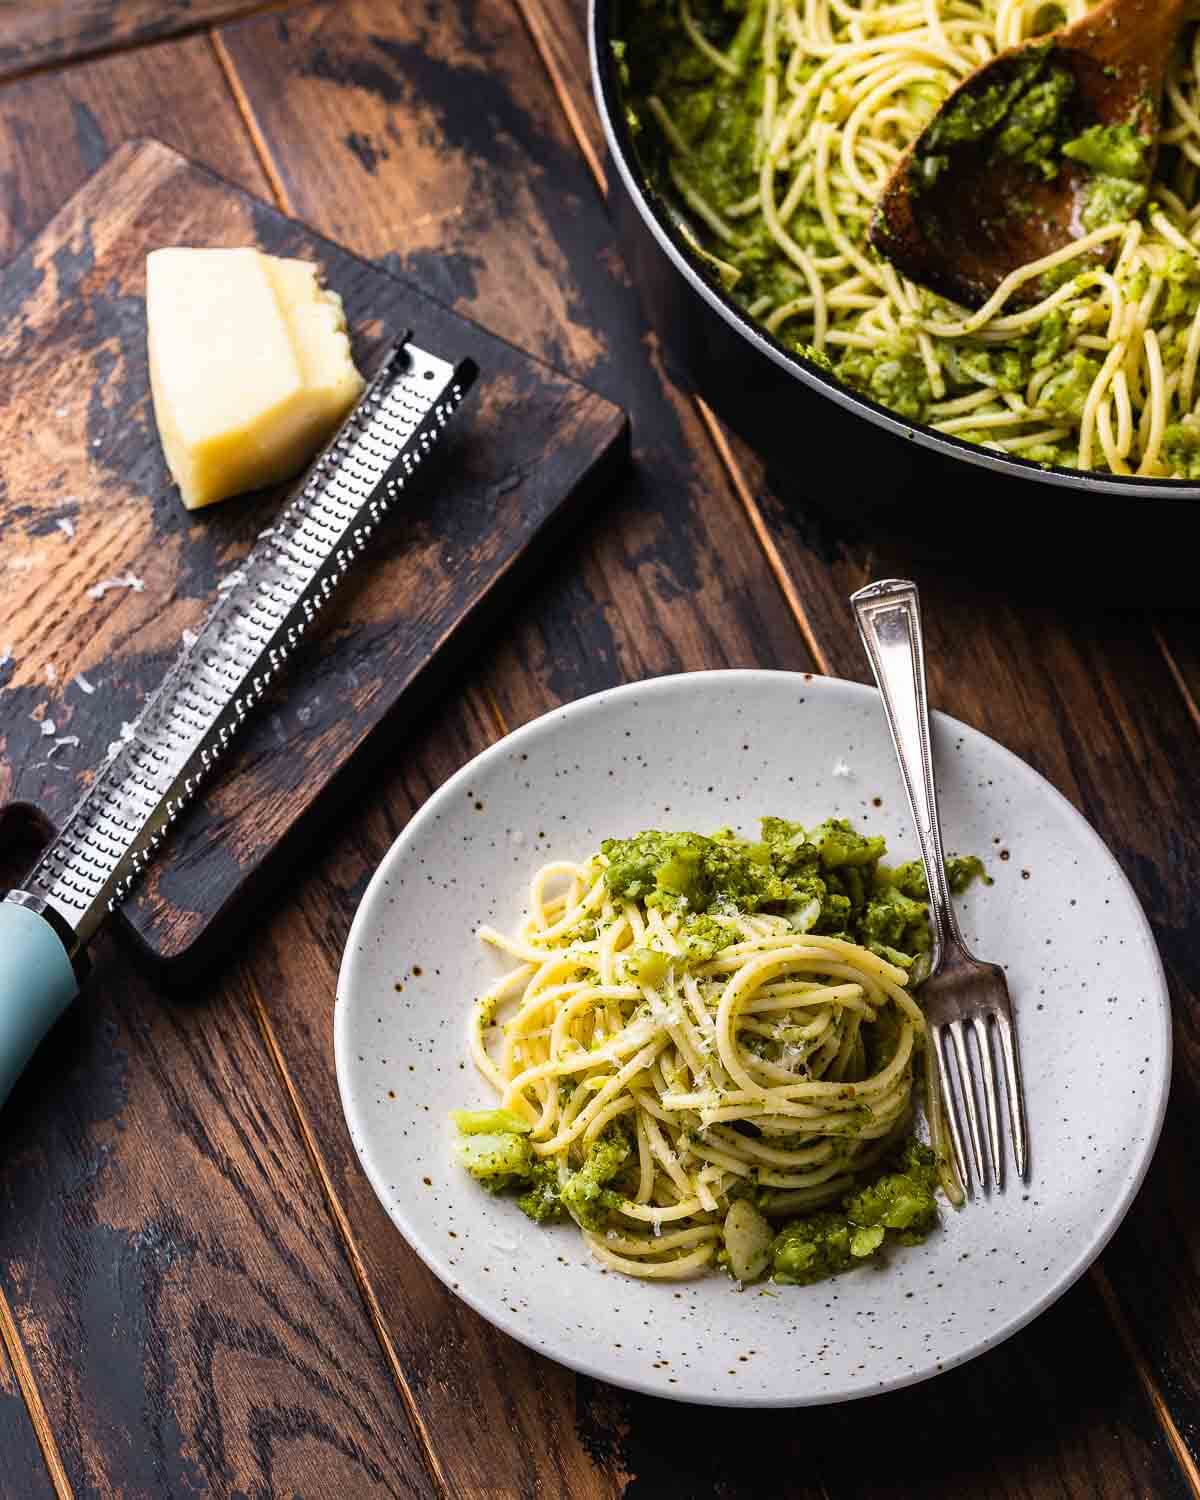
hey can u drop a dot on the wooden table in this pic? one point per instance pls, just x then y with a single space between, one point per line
198 1291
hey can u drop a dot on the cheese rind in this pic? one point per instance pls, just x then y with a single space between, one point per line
250 367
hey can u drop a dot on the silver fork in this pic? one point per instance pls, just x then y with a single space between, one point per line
961 992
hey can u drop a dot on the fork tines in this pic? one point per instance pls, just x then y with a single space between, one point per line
958 1064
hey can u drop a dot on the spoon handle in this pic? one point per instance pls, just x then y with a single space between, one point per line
889 620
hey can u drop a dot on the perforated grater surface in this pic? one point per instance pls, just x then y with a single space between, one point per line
272 600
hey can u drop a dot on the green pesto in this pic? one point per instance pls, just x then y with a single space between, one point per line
1020 117
895 1205
1027 120
1118 158
1112 150
1181 442
505 1163
899 1207
541 1199
825 879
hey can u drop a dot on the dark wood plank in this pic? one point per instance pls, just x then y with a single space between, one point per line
985 676
24 1471
529 446
455 127
51 33
188 1310
561 648
1064 1417
57 129
190 1317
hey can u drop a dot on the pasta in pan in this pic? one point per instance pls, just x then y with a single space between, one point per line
776 123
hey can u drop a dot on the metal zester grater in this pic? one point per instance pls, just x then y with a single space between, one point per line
293 569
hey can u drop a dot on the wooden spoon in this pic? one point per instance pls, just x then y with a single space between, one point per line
984 215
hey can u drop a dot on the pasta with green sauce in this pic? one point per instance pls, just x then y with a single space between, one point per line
773 126
705 1054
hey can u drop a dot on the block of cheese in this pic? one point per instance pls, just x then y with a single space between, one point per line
250 367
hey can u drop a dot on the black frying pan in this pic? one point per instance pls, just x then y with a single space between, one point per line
853 458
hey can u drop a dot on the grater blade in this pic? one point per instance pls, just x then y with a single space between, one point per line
266 610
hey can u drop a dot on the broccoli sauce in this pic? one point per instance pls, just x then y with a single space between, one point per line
693 897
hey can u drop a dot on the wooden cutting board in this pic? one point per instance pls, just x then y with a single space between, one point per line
102 570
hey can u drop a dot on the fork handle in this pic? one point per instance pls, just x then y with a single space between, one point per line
889 621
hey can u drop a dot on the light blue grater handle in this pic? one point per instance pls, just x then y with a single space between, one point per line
37 983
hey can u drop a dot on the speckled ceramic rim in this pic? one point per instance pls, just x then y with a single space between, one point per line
372 908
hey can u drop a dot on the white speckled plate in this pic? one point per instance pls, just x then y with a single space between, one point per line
698 752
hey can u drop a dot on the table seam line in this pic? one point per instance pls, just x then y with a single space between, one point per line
1181 682
716 435
245 110
43 1431
136 44
346 1236
1180 1452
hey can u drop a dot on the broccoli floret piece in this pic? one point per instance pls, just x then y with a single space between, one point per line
1006 369
896 380
1115 150
682 872
632 864
902 1200
585 1193
703 937
646 965
811 1249
898 1206
1066 391
894 920
961 869
839 845
1181 448
497 1161
542 1201
1051 338
909 878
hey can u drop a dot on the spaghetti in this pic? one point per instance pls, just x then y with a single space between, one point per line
654 1066
779 121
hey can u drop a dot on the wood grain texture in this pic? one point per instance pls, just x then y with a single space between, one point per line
58 128
191 1320
1111 1446
83 455
463 175
23 1470
51 33
187 1309
826 554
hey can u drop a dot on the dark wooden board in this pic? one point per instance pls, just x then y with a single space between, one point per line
79 450
154 1125
48 33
